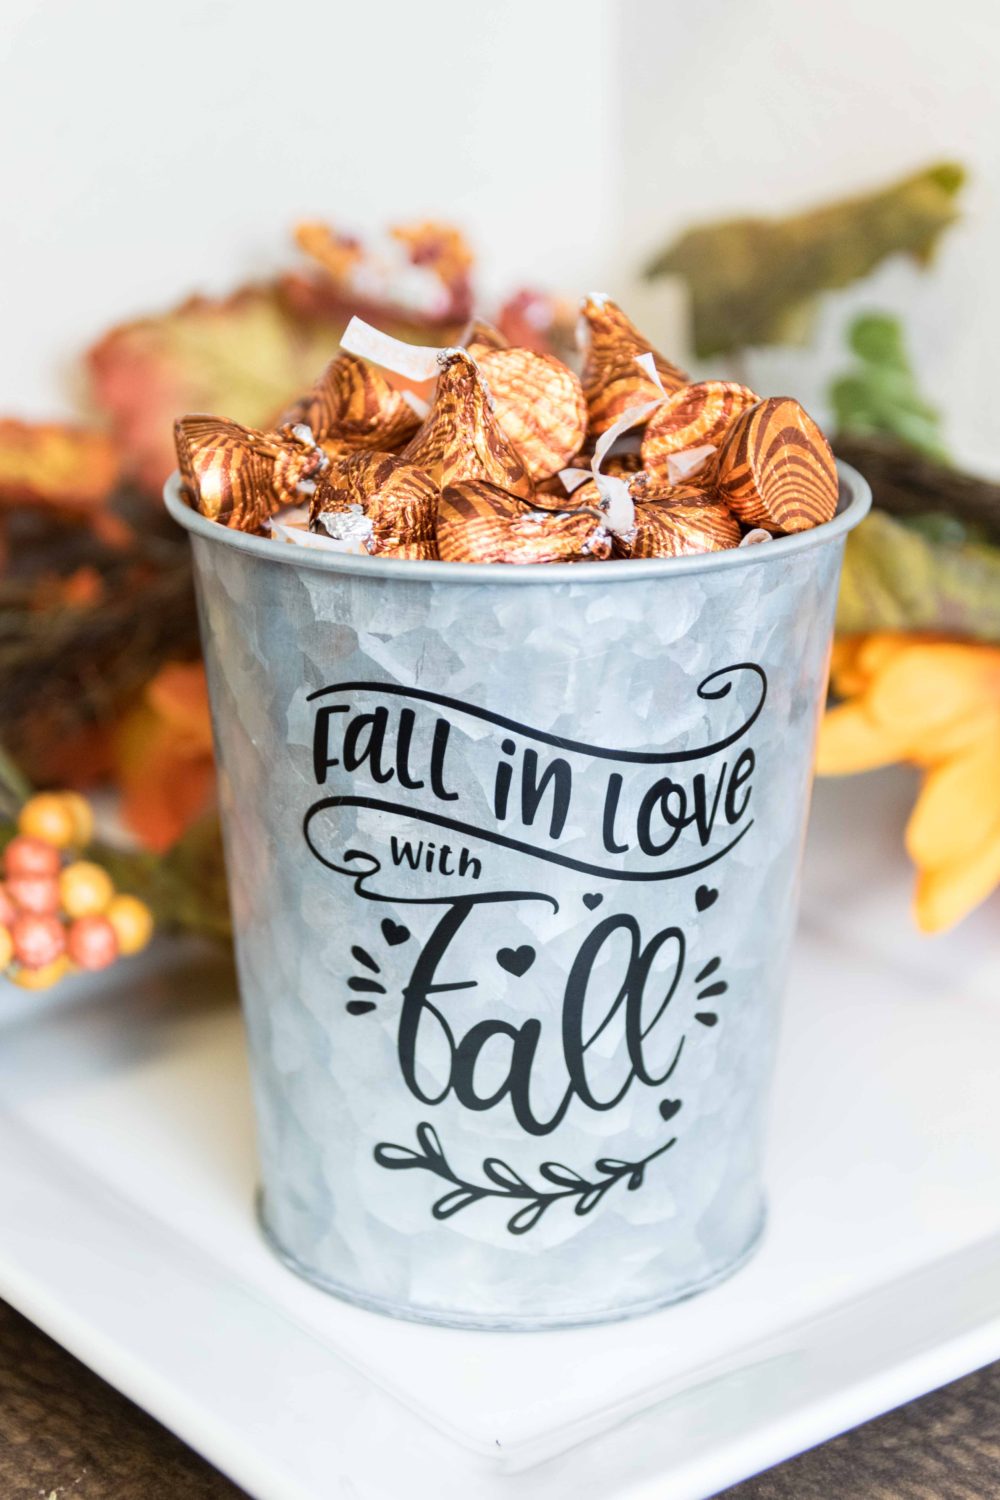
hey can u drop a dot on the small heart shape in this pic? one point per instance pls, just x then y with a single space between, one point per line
669 1107
394 932
705 896
592 900
516 961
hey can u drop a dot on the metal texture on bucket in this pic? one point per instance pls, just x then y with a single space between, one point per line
513 860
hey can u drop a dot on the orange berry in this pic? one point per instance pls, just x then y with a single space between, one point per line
8 910
43 977
35 893
48 816
92 942
132 921
85 888
28 855
37 940
83 818
6 947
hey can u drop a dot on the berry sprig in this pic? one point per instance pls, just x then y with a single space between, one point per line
59 913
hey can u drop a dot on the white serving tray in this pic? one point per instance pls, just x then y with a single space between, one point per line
127 1232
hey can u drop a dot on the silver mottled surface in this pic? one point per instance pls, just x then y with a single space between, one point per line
615 666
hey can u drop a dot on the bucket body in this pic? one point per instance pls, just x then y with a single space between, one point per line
513 858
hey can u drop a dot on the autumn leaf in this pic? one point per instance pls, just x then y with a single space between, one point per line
163 753
245 357
908 576
56 464
753 280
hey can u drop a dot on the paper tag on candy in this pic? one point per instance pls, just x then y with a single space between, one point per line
755 537
647 364
681 465
416 403
412 360
291 515
346 531
573 478
616 501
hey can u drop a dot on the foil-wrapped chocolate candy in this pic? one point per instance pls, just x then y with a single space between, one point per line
239 476
683 521
352 405
397 497
476 522
695 417
612 380
775 468
540 405
461 438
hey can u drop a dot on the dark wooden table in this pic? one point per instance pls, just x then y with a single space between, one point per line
65 1434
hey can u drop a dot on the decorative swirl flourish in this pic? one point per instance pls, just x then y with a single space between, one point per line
717 685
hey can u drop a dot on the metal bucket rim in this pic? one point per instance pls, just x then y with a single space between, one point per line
854 504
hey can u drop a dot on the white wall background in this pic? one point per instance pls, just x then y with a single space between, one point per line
750 106
153 149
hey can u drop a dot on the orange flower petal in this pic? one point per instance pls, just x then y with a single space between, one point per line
925 686
845 678
946 895
957 737
958 809
850 740
875 652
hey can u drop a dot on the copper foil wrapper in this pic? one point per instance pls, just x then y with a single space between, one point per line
612 381
476 522
690 522
481 337
352 405
461 439
240 477
398 498
775 468
692 417
540 405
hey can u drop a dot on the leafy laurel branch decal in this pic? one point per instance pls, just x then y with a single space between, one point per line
503 1182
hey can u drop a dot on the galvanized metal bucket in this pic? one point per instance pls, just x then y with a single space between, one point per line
513 857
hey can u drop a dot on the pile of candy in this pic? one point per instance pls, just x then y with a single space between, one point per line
59 913
516 459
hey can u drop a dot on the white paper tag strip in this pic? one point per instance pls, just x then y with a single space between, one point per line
416 403
412 360
755 537
301 536
572 479
681 466
629 442
648 365
616 501
292 515
351 532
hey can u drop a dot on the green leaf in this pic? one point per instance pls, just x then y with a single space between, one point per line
753 281
880 393
897 577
